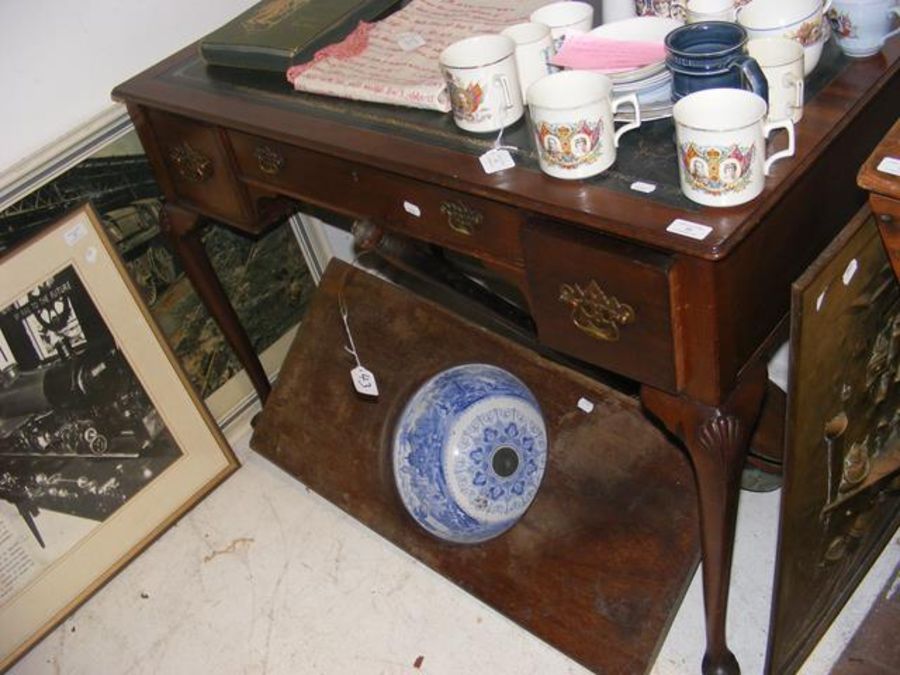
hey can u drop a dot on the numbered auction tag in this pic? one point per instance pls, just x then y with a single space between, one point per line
496 159
364 381
890 165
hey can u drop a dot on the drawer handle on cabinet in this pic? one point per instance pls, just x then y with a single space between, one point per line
270 162
461 218
190 163
594 312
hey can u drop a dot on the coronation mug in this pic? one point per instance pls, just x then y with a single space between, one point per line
781 61
572 122
483 82
534 49
721 145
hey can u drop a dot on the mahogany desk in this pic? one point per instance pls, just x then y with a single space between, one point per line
691 320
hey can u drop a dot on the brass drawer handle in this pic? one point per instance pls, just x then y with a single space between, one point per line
461 218
191 164
269 161
594 312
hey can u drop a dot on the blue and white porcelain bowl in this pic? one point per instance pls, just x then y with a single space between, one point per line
469 452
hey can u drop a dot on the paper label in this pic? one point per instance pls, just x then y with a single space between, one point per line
585 406
850 271
496 160
890 165
364 381
410 41
641 186
75 234
687 228
412 209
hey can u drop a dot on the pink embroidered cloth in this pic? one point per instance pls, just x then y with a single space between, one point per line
396 60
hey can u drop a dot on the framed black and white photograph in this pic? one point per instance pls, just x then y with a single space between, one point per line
269 279
103 442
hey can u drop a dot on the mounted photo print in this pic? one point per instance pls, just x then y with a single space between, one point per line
103 442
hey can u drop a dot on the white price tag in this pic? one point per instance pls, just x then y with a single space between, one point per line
687 228
364 381
412 209
641 186
890 165
410 41
495 160
585 406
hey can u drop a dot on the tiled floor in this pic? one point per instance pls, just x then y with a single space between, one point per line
266 577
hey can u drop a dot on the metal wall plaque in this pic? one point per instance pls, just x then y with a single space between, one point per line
842 452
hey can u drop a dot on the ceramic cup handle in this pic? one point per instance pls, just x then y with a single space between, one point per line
788 126
791 80
502 83
753 75
896 12
620 101
826 6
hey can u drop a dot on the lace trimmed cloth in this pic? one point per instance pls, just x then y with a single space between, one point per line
396 60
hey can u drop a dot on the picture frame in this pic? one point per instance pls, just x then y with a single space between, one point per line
103 442
103 161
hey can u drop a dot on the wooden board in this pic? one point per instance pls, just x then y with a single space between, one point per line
596 567
842 450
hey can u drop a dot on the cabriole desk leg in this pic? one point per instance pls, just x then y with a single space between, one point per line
183 229
716 439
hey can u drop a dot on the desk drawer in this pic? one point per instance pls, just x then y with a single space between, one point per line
198 166
603 301
464 223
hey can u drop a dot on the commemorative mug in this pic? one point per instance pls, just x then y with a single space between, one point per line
534 49
564 18
721 141
482 81
571 116
669 9
711 55
862 26
781 61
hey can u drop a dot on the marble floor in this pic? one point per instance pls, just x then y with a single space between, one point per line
264 576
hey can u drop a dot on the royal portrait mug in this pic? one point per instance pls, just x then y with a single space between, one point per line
721 141
482 82
571 116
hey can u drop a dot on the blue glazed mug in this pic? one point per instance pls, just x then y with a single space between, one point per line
711 55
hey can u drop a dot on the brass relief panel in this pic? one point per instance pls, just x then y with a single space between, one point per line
842 455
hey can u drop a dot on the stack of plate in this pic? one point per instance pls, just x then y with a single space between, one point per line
653 82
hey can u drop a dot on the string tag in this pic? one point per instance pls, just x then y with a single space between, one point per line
363 380
498 157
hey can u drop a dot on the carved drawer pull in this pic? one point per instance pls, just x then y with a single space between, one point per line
461 218
594 312
270 162
190 163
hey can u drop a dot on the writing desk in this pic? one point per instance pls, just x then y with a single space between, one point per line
691 320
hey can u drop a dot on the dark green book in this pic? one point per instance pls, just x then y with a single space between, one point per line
276 34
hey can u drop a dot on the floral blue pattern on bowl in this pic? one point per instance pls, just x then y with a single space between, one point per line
469 452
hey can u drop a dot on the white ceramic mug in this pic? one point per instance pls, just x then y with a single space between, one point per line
572 122
564 18
781 61
861 26
721 138
481 78
709 10
534 49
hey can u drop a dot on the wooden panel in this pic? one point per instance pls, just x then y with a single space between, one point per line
842 454
597 565
461 222
198 165
603 301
